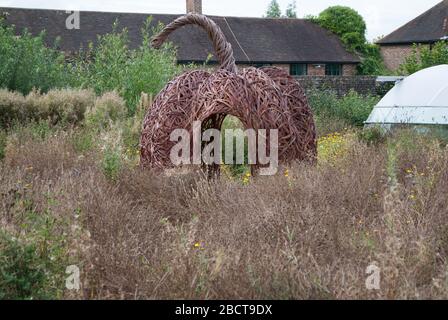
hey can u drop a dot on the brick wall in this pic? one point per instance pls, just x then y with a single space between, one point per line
395 55
313 69
340 84
349 69
316 70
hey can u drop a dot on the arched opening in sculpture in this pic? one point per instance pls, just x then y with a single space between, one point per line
266 98
233 144
235 147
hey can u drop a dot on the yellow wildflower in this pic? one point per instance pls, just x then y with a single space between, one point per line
198 246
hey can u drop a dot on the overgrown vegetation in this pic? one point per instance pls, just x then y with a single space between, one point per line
334 113
26 63
58 106
114 65
309 232
425 56
73 194
350 26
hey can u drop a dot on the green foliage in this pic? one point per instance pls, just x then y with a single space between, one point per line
373 136
352 108
21 271
372 62
356 108
37 131
32 260
345 22
350 26
326 125
273 10
232 123
132 130
84 140
291 10
424 56
113 65
111 163
26 62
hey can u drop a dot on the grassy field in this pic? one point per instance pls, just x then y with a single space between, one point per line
76 196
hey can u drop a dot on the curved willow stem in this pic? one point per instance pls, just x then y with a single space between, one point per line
224 51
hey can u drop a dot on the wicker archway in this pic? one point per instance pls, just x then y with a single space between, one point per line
266 98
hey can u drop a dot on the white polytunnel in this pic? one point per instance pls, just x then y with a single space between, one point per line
420 99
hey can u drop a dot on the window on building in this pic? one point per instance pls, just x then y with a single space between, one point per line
333 69
298 69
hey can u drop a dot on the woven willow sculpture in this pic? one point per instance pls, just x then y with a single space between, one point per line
266 98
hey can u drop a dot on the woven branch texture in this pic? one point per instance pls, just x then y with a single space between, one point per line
265 98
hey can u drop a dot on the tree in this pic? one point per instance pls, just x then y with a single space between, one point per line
347 23
274 10
351 28
291 11
372 62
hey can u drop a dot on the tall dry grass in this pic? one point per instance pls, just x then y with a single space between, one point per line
307 234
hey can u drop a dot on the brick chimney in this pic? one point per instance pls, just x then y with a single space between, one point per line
194 6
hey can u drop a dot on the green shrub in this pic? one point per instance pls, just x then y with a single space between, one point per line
83 140
111 163
33 257
235 170
351 28
373 136
27 63
424 56
108 108
323 102
22 274
352 108
112 65
356 108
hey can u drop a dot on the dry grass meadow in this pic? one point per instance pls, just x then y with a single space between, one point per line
72 193
77 197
